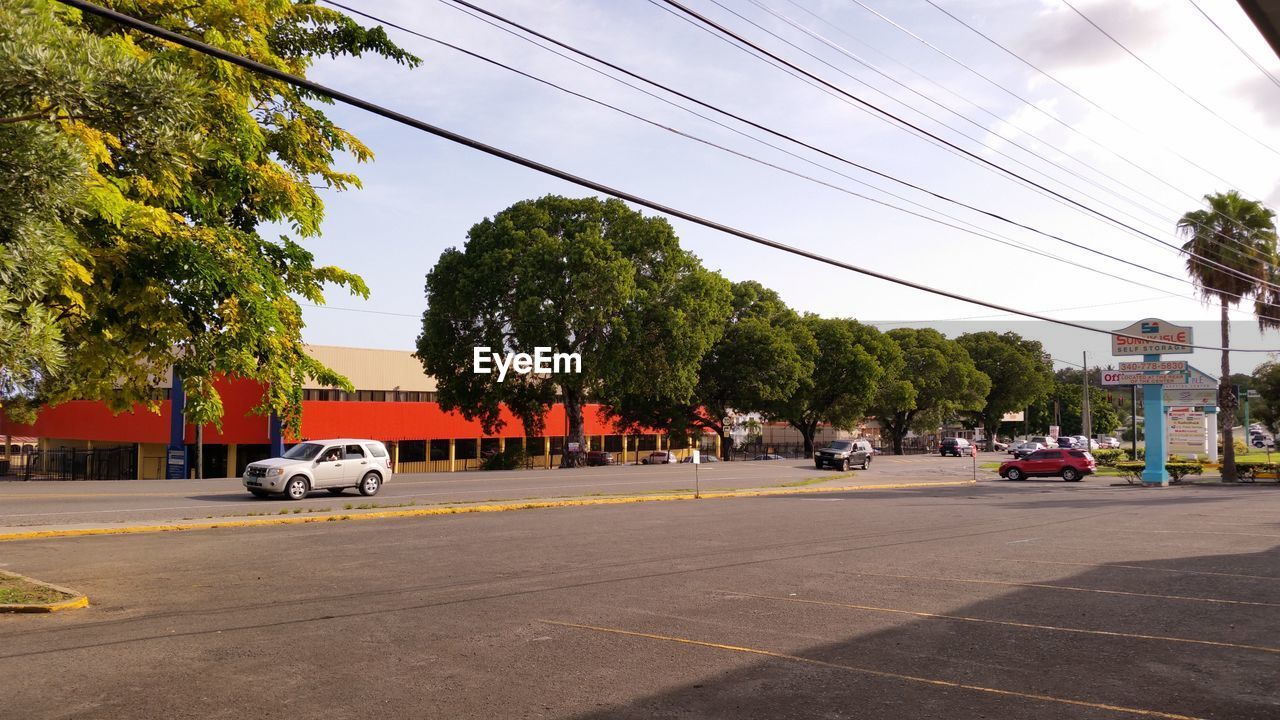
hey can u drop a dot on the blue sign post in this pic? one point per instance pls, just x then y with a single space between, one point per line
176 455
1151 338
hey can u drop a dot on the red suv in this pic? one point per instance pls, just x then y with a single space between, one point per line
1070 464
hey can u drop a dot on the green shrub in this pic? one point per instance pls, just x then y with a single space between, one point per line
512 458
1131 470
1108 457
1251 469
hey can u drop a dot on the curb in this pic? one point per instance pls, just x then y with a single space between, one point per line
455 510
76 601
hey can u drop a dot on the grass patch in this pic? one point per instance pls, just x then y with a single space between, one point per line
818 480
16 591
992 466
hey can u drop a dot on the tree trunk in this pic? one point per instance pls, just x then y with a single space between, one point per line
573 413
1226 402
199 452
726 444
808 431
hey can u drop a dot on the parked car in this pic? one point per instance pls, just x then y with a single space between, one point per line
955 446
1109 442
660 457
767 456
702 458
1022 450
601 457
1066 441
844 454
1070 464
1045 440
999 446
1085 443
1262 441
332 465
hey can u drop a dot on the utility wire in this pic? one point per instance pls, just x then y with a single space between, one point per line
1274 80
854 57
368 106
1167 81
478 12
1136 131
923 132
976 230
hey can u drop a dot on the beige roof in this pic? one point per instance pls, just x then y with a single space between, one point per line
374 369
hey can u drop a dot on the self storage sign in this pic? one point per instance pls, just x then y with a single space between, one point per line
1152 337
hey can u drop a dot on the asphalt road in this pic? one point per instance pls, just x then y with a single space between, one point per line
999 600
59 503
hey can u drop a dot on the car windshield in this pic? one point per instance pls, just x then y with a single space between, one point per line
840 445
303 451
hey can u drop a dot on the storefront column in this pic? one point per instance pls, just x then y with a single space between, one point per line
717 446
395 453
546 450
453 454
625 443
502 445
137 471
231 460
8 440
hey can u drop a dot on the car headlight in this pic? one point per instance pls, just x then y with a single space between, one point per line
275 472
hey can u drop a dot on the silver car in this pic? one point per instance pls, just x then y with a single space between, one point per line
332 465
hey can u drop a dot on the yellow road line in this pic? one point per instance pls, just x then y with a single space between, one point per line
1069 587
1198 532
1009 623
454 510
1144 567
880 673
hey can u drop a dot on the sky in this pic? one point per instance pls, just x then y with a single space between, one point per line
1137 150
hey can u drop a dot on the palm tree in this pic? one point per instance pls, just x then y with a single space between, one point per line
1231 255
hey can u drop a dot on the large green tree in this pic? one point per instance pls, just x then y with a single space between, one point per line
1020 374
167 165
1062 406
585 276
1266 380
763 354
1231 255
937 380
850 360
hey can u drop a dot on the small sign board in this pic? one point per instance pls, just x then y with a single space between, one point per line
1161 365
176 464
1013 416
697 457
1116 377
1185 431
1200 397
1053 430
1152 337
575 447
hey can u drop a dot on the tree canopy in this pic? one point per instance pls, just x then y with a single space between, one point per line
585 276
1018 369
937 380
1231 256
763 354
849 362
162 165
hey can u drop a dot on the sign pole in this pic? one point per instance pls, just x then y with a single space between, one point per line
1133 421
1154 475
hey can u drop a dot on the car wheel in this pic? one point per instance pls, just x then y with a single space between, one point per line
845 465
369 484
866 461
818 465
336 491
1014 474
297 488
258 493
1070 474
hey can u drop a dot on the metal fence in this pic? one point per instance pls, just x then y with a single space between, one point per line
67 464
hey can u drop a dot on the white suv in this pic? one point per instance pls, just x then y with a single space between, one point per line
332 465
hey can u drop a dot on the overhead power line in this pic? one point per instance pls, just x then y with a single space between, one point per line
936 138
1138 132
368 106
976 230
1274 80
1169 82
498 21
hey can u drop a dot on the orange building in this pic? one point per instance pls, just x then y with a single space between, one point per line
394 402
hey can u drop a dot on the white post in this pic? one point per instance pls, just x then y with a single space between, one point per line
1211 417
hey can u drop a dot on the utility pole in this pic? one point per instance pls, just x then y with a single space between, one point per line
1086 410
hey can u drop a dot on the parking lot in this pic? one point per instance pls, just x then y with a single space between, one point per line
997 600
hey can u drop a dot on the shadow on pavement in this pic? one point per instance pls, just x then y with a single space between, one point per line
891 674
